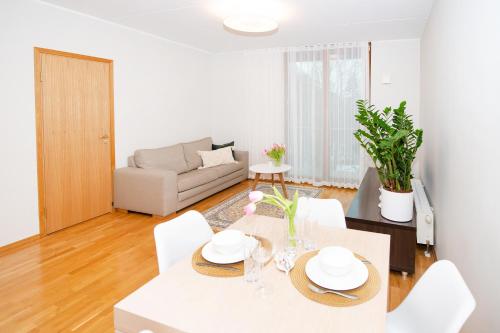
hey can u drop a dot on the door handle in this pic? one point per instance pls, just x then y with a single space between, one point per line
105 138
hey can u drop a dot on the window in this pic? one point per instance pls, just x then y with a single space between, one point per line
322 87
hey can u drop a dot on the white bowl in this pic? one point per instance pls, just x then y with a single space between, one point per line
228 241
336 260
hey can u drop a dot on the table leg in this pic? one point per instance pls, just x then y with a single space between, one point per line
272 179
256 180
282 181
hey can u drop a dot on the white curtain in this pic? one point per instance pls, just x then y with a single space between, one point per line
322 85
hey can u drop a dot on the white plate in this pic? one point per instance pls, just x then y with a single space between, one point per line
355 278
208 253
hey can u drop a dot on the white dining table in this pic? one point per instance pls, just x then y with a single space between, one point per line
183 300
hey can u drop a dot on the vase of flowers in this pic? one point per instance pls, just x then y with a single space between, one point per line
289 208
275 153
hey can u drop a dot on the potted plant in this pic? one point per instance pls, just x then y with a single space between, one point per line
275 153
391 140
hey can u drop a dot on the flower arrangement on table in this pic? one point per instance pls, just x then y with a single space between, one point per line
275 153
289 208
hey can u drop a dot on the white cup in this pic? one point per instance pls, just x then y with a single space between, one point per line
228 241
336 260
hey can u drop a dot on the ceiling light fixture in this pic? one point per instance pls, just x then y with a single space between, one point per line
250 23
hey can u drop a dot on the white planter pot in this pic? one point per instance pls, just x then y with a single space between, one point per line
396 206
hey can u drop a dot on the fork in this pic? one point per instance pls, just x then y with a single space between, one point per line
318 290
229 268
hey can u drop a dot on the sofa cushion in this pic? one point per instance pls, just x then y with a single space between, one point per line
226 169
195 178
171 158
206 188
224 145
217 157
191 149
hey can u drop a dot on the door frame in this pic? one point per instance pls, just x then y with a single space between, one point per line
38 51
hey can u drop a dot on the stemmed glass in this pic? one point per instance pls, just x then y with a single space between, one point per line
262 255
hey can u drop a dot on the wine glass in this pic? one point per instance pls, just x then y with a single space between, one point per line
262 254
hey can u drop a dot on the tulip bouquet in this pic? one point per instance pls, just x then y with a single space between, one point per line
289 208
275 153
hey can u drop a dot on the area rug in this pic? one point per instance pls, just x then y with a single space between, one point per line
231 210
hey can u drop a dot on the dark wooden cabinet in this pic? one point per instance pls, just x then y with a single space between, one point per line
364 214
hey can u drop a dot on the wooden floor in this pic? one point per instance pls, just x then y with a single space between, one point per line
70 280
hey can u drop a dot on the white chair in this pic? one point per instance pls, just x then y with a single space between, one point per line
328 212
440 302
179 237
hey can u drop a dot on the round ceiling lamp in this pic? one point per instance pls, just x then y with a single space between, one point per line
251 23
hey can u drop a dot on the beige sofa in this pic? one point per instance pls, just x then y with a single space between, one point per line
164 180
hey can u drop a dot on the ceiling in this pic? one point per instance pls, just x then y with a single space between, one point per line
302 22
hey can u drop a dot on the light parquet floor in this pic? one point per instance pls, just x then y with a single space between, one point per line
70 280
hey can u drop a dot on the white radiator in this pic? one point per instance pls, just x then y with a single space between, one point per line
425 215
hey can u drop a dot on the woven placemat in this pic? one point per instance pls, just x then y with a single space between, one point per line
365 292
221 270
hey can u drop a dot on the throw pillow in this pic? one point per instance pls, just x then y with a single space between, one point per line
229 144
216 157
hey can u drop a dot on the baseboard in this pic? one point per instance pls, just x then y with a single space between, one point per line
17 244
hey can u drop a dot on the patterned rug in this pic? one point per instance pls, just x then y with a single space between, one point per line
231 210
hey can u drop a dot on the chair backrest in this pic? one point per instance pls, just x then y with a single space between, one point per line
179 237
439 302
328 212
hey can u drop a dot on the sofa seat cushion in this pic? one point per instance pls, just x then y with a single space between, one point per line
170 158
226 169
191 149
195 178
240 175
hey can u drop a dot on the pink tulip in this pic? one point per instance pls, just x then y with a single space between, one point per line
250 209
255 196
264 152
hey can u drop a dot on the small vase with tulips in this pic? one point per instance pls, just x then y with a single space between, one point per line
275 153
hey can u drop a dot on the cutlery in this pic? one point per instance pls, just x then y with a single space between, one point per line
318 290
229 268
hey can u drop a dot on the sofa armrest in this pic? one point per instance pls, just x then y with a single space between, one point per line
151 191
242 156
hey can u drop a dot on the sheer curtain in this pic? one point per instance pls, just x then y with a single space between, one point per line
322 85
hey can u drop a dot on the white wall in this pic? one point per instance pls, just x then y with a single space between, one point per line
398 60
158 86
460 118
247 93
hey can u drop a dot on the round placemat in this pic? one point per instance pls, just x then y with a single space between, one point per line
205 267
365 292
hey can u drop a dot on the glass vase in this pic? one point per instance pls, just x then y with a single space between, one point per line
290 239
277 163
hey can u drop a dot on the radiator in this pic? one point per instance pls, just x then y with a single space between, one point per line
425 215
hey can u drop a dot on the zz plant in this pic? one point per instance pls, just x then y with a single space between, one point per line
391 140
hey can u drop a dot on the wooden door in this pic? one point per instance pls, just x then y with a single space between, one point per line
74 99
